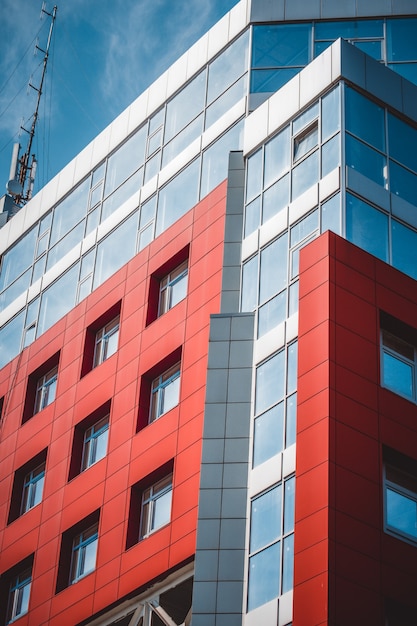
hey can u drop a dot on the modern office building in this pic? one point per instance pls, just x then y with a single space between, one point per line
208 340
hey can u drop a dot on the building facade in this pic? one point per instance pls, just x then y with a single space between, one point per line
208 340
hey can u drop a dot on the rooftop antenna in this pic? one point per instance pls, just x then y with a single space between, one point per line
23 169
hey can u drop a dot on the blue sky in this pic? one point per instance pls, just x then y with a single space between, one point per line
104 54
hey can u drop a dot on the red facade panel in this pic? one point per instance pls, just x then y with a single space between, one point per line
173 440
346 422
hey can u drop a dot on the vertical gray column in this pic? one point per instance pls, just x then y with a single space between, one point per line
221 531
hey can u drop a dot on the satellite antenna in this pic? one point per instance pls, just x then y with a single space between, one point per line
23 169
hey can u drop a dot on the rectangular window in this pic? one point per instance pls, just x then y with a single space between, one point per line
95 443
46 389
19 595
106 341
400 493
173 288
165 391
33 488
84 552
156 506
398 365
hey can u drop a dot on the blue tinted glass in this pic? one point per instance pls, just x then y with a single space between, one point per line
320 47
304 228
365 160
178 196
277 156
185 106
397 375
53 305
252 216
264 576
330 113
330 155
250 284
292 354
330 215
265 518
402 513
18 258
268 434
402 39
372 48
273 274
288 564
365 119
305 118
281 45
276 198
349 29
10 338
254 175
270 382
404 247
402 142
403 183
227 68
216 159
289 505
116 249
408 70
305 175
70 211
269 81
291 420
366 227
272 313
223 104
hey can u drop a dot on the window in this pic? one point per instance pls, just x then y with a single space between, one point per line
400 491
19 595
271 544
150 504
156 506
165 392
41 388
46 389
78 551
173 288
84 552
106 341
33 488
306 141
398 365
90 440
95 443
28 486
101 339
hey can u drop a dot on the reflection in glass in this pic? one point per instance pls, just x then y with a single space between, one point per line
276 198
273 274
216 159
252 216
265 518
269 81
272 313
404 247
228 67
126 160
366 227
254 175
403 182
264 576
53 305
277 156
402 142
116 249
330 215
401 39
270 382
178 196
365 160
365 119
330 155
250 285
266 446
185 106
305 175
70 211
330 113
281 45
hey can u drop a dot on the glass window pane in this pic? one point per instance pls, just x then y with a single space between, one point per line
291 420
269 81
90 552
53 305
273 274
70 211
277 156
365 160
264 576
185 106
398 375
10 338
366 227
126 160
268 434
404 246
402 142
330 215
178 196
305 174
252 216
265 518
401 513
123 193
18 258
407 70
288 564
181 141
349 29
250 284
330 155
305 142
228 67
276 198
403 183
330 114
304 228
116 249
65 245
402 39
292 356
272 313
225 102
216 159
372 48
289 505
365 119
270 382
281 45
171 395
254 175
162 510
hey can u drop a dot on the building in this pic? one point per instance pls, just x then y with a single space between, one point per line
202 423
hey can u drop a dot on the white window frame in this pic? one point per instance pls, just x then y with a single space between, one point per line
91 437
158 389
167 287
18 588
103 336
402 490
149 504
80 544
46 389
32 488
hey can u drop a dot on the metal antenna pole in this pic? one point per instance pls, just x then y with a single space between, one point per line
27 169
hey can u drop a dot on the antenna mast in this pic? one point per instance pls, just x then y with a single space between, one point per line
22 180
